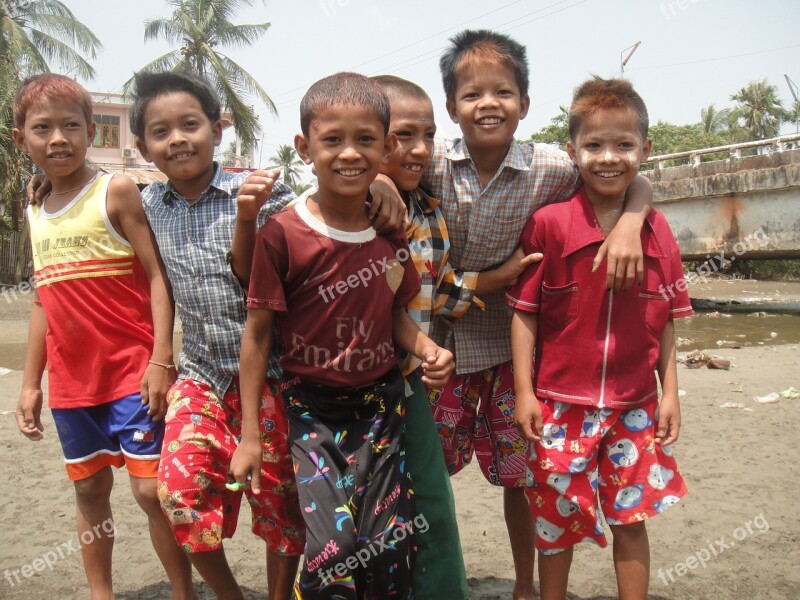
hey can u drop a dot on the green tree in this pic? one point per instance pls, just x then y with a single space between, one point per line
35 33
202 27
759 109
713 120
668 139
555 133
287 161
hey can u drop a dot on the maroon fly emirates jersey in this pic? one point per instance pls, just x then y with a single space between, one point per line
334 292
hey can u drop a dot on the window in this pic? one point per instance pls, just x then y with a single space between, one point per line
107 134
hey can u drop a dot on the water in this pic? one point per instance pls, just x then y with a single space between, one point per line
703 330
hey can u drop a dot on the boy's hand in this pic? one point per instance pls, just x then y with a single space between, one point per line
517 263
155 384
254 193
528 417
29 414
246 461
623 248
437 367
669 421
387 212
38 187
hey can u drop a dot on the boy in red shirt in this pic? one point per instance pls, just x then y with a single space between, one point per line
340 292
102 324
592 420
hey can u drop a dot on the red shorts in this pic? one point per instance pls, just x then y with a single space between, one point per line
586 453
475 411
202 432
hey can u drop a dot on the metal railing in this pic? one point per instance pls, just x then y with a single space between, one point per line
776 144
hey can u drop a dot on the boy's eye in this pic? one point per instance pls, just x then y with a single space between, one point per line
366 139
191 123
403 134
592 146
331 139
430 135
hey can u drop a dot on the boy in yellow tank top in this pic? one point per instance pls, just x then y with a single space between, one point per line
102 323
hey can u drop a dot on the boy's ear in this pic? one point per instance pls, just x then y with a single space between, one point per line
216 129
19 140
389 145
648 146
140 145
91 129
571 150
524 104
301 145
451 110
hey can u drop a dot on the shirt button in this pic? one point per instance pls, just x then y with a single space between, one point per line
192 239
208 320
200 279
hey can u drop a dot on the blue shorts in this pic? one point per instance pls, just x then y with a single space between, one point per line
118 433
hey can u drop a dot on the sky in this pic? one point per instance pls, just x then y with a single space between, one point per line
693 52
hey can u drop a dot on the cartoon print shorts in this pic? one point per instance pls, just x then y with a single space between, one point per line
202 432
594 461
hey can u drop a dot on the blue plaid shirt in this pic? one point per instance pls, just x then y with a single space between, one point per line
194 241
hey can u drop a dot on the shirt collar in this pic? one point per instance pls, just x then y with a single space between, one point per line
515 159
584 229
170 193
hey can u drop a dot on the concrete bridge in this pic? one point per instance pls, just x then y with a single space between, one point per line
740 206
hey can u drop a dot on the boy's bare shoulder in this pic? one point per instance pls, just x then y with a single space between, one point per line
122 185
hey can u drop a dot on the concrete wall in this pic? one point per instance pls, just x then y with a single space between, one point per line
747 207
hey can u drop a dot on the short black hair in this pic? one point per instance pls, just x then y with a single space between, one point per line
396 88
344 89
148 86
482 45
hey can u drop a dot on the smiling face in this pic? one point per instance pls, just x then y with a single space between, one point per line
56 136
608 151
179 139
412 124
346 144
488 106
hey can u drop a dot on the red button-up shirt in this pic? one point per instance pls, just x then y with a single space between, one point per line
594 346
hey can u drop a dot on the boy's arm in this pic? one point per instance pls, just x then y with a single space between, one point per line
387 209
29 406
253 195
125 209
623 247
669 411
253 363
437 363
527 412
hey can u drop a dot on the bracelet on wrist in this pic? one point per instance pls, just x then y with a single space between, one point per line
162 365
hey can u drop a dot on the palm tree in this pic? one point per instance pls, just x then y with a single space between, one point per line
713 120
33 34
201 27
287 161
760 110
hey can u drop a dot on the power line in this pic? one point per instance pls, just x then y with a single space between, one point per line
705 60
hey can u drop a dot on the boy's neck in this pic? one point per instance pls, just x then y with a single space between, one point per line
607 210
487 162
192 190
65 188
344 214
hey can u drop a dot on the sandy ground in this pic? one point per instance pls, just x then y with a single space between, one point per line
735 536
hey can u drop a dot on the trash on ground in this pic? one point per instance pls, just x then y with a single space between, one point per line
732 405
719 363
728 344
696 359
4 371
681 393
770 398
791 393
737 388
773 334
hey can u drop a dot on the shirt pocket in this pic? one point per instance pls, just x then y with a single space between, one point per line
654 311
559 304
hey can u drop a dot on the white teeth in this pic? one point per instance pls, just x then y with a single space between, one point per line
489 121
413 168
182 155
609 174
350 172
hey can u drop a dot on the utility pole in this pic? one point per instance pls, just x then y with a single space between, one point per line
624 58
